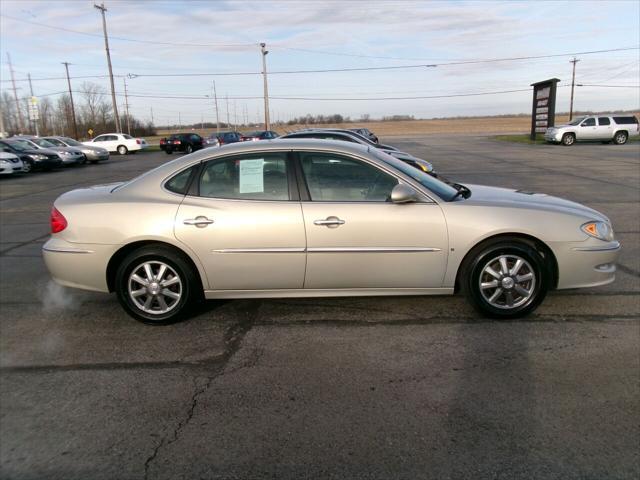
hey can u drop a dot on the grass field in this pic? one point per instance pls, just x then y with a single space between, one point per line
515 126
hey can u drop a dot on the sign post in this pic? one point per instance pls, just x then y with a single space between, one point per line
34 113
543 112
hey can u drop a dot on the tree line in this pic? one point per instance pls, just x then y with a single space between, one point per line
93 109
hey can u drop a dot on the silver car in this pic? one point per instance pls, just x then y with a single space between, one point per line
68 155
605 128
316 218
93 154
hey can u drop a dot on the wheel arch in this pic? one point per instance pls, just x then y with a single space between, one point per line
539 245
122 252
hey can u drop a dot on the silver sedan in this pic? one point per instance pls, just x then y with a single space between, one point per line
315 218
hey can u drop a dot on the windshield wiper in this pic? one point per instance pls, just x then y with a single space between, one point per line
462 191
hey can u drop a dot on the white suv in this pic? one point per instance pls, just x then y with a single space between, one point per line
604 128
118 142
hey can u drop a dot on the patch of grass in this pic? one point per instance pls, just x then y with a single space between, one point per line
521 139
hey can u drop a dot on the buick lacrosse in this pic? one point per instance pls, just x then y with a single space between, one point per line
318 218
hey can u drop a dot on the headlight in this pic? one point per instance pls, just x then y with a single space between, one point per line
599 230
62 152
38 156
5 163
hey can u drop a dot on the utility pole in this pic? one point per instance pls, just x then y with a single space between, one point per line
228 122
126 106
179 121
266 88
73 109
573 82
15 95
235 114
35 121
102 9
215 99
152 122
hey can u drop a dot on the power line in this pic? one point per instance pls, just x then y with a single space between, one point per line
606 86
135 40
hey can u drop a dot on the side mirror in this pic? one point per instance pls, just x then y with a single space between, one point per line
402 193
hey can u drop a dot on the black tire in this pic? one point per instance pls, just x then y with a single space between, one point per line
190 288
568 139
485 255
122 150
168 151
188 149
27 167
620 138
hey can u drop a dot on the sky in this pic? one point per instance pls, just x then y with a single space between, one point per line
222 37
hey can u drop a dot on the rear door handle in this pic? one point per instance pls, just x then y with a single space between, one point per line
331 222
199 222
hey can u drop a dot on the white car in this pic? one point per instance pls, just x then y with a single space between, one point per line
604 128
10 164
118 142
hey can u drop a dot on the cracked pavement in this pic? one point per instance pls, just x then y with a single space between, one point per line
397 387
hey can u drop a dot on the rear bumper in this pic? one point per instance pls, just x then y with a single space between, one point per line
586 264
78 265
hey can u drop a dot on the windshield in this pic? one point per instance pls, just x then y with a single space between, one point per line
576 121
71 142
443 190
21 145
41 142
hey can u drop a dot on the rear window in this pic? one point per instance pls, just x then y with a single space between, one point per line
625 120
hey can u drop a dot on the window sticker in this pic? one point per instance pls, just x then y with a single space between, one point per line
252 176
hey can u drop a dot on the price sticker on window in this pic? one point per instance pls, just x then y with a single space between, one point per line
252 176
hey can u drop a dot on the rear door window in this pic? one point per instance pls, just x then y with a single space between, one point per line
604 121
259 176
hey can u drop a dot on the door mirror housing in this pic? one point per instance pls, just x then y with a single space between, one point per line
402 193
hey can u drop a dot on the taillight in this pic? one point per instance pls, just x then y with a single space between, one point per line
176 142
138 141
162 141
58 222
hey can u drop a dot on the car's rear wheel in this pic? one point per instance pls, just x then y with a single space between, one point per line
188 149
620 138
168 151
506 280
568 139
157 285
122 150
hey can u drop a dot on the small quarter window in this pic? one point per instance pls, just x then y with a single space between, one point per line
180 182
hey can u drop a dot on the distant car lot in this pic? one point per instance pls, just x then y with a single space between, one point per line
342 387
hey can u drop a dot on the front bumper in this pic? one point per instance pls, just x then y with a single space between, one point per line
96 157
78 265
72 159
586 264
553 136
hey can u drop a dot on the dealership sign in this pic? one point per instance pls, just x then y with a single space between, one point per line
544 106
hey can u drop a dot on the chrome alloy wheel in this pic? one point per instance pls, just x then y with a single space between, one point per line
155 287
507 282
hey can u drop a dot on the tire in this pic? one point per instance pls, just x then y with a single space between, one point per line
188 149
168 151
122 150
620 138
568 139
27 167
143 301
500 296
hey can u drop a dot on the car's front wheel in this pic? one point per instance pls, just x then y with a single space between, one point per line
506 279
122 150
157 285
568 139
620 138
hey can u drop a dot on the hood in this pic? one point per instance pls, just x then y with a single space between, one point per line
495 196
93 148
43 151
66 149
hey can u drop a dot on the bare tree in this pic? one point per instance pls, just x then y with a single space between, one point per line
93 96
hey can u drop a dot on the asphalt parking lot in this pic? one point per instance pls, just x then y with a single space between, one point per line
327 388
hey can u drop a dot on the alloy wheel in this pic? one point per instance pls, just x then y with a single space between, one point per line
154 287
507 282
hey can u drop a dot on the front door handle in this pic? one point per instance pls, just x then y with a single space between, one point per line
331 222
199 222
